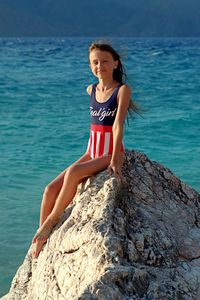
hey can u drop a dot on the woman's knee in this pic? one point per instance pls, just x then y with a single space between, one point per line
51 189
73 172
54 187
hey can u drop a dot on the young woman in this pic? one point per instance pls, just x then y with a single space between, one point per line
110 99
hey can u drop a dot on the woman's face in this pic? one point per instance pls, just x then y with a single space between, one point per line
102 64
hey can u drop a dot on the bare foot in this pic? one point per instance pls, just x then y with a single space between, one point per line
42 235
44 231
37 247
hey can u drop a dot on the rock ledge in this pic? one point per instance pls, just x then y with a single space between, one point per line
139 239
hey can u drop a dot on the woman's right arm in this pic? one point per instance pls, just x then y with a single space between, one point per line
89 89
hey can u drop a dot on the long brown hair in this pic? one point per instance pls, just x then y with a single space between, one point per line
119 73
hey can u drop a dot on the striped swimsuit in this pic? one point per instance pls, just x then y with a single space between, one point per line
102 118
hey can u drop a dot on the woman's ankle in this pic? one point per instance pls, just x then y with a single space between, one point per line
52 219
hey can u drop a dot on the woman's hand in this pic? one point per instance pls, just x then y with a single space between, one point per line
114 168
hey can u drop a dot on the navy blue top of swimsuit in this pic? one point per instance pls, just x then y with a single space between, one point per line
103 113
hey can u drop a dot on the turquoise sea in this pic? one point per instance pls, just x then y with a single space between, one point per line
44 120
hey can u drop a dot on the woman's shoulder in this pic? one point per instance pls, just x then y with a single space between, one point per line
125 89
89 89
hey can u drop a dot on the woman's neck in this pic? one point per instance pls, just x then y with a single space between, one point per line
105 84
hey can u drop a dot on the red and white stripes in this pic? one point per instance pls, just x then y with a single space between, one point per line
101 141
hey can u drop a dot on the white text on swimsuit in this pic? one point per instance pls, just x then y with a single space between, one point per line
102 113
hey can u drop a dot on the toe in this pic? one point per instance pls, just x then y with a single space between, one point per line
33 252
34 239
37 249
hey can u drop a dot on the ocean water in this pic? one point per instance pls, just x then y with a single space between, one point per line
44 120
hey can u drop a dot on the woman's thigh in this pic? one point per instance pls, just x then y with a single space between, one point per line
56 183
85 169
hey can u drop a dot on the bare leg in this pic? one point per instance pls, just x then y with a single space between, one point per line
52 191
73 176
50 195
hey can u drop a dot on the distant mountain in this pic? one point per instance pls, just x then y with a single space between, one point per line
100 18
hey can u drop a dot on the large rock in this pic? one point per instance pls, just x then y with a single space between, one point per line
139 239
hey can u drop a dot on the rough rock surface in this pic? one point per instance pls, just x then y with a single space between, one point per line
130 241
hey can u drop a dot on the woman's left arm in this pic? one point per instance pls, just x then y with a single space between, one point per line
124 96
